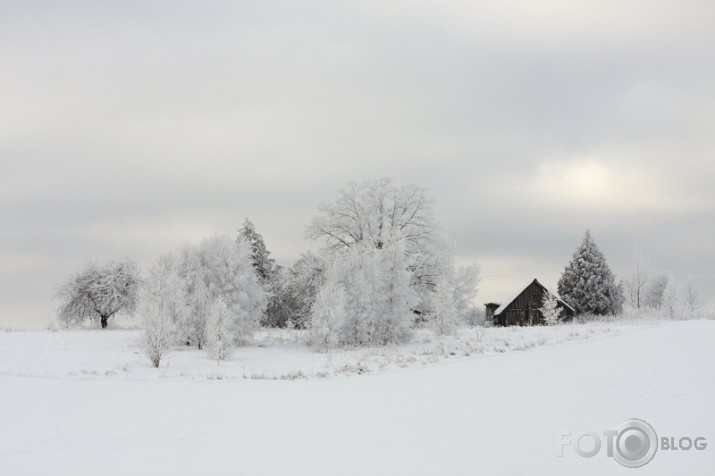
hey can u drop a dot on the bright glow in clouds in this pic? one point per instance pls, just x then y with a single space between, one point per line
600 185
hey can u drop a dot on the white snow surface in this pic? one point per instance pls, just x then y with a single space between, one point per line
87 403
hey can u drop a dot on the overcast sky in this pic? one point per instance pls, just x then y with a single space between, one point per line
133 128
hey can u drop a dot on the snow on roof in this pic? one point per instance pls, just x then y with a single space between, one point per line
501 308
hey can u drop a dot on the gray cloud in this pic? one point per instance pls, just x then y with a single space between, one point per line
129 128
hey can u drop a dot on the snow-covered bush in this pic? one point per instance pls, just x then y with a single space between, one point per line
163 308
550 309
220 330
475 317
328 314
159 331
445 318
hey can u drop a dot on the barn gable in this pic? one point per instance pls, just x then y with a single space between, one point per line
523 309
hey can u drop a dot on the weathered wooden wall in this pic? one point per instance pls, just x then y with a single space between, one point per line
524 310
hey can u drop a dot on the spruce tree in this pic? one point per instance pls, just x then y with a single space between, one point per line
587 284
280 309
259 253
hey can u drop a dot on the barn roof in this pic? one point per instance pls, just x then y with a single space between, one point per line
501 308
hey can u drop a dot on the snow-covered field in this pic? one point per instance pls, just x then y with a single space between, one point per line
272 354
489 401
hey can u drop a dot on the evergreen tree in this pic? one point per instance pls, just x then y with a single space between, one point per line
587 284
263 265
272 277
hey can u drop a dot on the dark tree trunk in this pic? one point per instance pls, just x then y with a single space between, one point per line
104 321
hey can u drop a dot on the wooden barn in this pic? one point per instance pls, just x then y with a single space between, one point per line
523 309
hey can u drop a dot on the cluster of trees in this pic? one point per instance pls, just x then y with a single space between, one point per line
208 296
589 286
647 292
384 268
388 268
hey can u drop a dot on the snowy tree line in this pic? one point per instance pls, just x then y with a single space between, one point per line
590 287
384 268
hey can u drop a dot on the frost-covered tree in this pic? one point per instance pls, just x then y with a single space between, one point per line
260 256
375 286
550 309
220 330
466 281
671 305
692 299
220 268
655 289
163 308
445 318
158 330
274 279
587 284
281 306
636 284
303 281
98 292
328 314
399 297
192 329
371 212
677 300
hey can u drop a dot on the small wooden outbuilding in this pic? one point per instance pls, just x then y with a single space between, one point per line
524 308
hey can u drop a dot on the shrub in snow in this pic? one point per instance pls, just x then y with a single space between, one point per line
445 317
159 331
220 330
550 310
475 317
587 284
163 308
328 315
98 292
